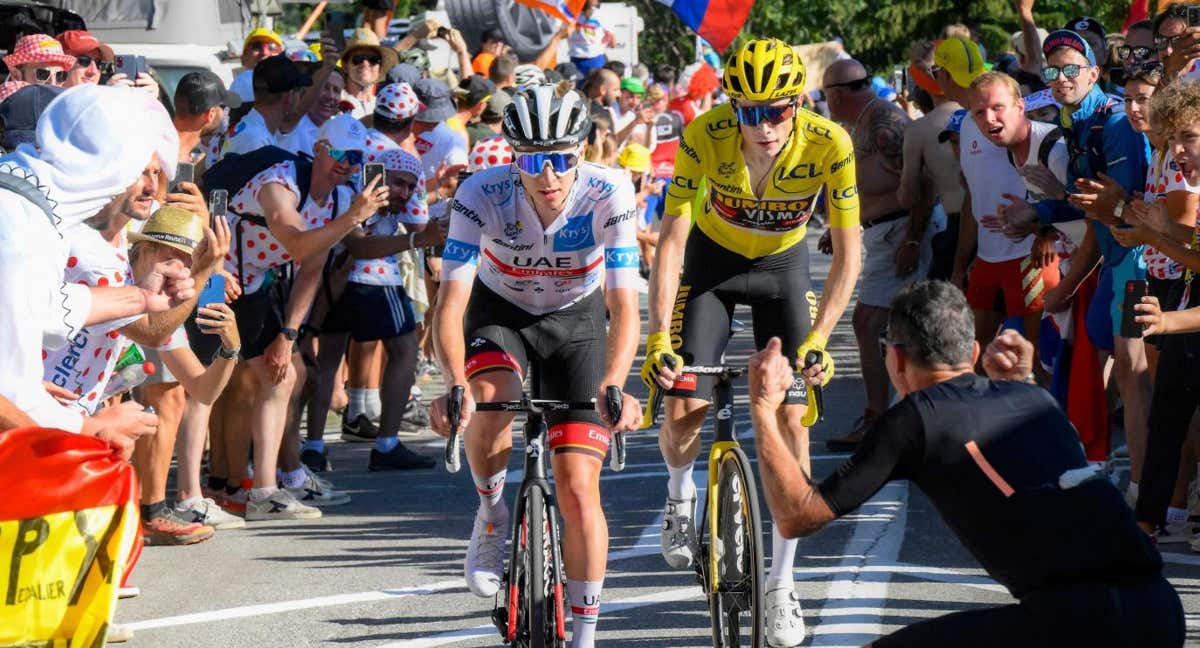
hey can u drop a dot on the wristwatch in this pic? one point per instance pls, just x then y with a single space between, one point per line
290 333
229 354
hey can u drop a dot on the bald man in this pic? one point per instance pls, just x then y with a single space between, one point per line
602 87
897 244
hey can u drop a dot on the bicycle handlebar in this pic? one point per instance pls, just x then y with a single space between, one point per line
654 402
613 400
816 408
454 413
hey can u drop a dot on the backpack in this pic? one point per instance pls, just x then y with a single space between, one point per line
1047 145
236 170
27 190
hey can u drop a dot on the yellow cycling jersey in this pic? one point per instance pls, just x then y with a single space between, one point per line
818 153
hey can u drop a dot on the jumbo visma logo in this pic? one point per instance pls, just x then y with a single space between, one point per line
575 235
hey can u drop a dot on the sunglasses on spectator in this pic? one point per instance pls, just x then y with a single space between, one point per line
1164 43
45 74
105 67
534 163
773 115
885 340
373 59
261 45
1070 71
1139 52
349 156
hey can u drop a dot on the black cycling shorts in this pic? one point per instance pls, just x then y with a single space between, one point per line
1096 615
368 313
259 320
777 288
566 349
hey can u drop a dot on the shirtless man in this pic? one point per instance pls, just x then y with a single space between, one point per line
898 249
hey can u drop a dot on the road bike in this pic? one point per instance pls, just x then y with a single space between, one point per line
729 546
533 614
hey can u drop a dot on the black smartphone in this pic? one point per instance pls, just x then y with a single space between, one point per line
443 32
335 28
1193 16
218 205
130 65
1135 289
370 172
184 172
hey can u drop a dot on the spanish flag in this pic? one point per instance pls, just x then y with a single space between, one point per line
68 533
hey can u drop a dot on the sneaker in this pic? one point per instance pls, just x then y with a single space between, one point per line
118 633
678 534
849 442
321 481
205 511
281 505
484 566
1173 532
234 503
314 493
415 417
785 622
400 458
172 528
315 461
360 429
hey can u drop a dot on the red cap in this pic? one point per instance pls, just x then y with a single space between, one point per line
82 43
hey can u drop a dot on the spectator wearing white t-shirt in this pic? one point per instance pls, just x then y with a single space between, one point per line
375 307
366 63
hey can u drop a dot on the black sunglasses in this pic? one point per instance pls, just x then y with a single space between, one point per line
44 74
373 59
1164 43
1139 52
853 84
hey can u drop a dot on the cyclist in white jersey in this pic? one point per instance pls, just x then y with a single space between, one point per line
529 247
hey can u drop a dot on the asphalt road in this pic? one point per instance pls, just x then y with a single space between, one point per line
386 569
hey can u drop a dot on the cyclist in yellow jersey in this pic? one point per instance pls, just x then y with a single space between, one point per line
765 162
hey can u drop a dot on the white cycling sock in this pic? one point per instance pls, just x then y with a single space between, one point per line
373 405
585 610
491 496
783 558
358 403
679 483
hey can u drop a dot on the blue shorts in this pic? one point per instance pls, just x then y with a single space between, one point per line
586 65
655 205
370 313
1104 315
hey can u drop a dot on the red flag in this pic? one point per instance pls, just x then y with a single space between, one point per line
565 10
1139 10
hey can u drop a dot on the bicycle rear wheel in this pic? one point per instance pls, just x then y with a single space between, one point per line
736 605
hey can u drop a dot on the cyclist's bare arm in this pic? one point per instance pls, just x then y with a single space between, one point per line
624 324
841 197
448 333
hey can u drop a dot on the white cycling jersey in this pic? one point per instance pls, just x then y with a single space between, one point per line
494 228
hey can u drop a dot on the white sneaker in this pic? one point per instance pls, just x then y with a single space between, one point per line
785 622
205 511
321 481
678 534
314 493
484 567
281 505
1174 532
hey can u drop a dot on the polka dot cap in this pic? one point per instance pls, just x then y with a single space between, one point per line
397 101
399 160
490 152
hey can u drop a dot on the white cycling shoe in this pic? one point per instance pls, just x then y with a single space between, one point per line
678 534
785 621
484 567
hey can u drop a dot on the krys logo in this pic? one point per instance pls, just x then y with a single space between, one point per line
602 188
575 235
498 192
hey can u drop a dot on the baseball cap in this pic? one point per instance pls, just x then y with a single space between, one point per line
203 90
262 34
495 107
569 71
78 42
475 89
1086 24
344 132
960 58
172 226
633 85
1068 38
21 111
278 74
953 125
436 97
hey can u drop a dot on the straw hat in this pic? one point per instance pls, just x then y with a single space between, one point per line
172 226
367 39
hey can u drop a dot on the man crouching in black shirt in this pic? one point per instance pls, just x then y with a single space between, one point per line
1002 464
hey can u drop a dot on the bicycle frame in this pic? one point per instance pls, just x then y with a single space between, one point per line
724 441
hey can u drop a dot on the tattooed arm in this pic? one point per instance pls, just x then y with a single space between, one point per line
879 149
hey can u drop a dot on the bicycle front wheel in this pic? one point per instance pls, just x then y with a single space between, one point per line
736 602
537 618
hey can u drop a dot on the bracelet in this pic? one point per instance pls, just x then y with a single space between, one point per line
229 354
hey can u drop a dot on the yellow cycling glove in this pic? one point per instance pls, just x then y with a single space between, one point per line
658 346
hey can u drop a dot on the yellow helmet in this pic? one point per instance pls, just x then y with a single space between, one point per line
763 70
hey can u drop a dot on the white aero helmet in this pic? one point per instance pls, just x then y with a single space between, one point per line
540 119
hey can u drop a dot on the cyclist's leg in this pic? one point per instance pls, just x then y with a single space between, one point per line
495 361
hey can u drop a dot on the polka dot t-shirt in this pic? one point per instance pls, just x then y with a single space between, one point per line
1163 177
261 251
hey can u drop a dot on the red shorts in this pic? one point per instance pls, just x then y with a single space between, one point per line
1014 287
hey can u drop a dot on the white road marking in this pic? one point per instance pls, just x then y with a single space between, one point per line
875 542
